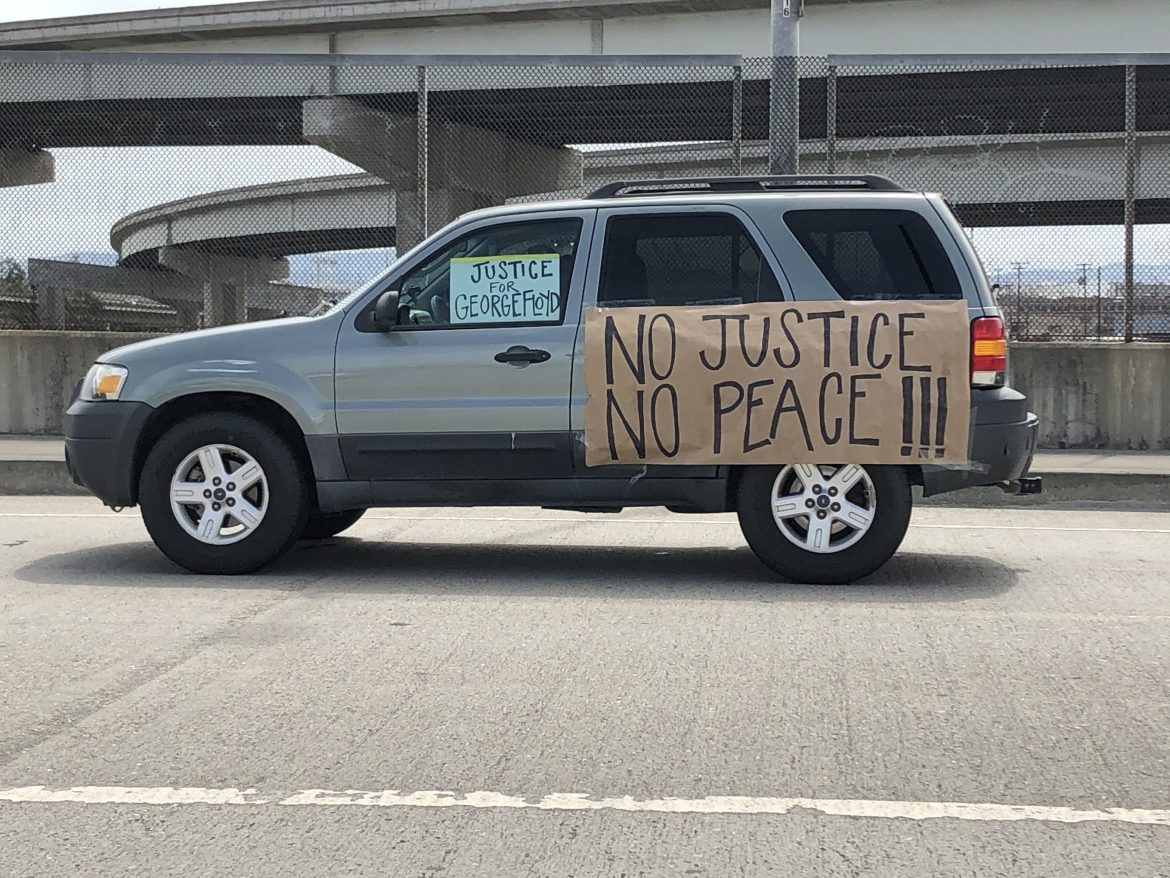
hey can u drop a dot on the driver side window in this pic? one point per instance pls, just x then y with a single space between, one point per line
513 273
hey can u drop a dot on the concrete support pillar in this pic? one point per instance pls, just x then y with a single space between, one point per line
458 156
381 143
465 167
50 307
26 167
442 207
222 304
189 313
225 280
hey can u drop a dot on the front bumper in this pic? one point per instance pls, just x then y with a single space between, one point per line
1003 442
101 446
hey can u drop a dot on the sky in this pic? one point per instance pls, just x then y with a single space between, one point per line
17 10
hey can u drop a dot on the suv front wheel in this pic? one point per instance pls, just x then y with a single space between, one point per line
223 493
825 524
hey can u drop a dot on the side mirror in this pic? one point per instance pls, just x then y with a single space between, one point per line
386 311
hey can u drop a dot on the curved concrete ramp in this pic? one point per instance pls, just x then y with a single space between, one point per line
354 211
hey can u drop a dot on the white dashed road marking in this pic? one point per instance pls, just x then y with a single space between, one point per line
744 805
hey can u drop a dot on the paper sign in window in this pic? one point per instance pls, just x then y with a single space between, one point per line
506 289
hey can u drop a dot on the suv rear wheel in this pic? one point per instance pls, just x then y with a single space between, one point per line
223 493
827 524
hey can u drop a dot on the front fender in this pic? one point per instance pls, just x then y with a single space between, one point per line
309 399
289 362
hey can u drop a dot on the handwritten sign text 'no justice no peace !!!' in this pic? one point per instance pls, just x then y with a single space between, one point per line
506 289
817 382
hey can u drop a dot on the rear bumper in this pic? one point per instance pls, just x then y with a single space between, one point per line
101 443
1003 442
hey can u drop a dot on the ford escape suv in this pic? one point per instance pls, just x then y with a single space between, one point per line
236 442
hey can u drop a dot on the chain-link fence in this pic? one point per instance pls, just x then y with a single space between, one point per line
167 193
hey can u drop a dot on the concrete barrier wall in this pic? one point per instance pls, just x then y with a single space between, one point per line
38 370
1087 395
1095 395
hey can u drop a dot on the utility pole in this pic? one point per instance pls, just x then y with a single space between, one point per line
1084 284
1019 267
784 98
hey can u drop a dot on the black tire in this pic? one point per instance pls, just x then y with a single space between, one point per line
796 564
323 525
288 493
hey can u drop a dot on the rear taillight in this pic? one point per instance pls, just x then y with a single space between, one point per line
988 352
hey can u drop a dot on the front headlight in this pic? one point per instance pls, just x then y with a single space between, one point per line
103 381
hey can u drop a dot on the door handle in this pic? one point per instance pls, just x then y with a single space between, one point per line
520 354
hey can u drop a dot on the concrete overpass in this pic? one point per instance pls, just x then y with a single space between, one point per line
58 92
59 100
497 132
79 99
990 180
568 27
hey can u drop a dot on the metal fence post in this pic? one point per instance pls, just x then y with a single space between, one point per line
1131 160
332 86
831 120
737 120
1099 303
422 150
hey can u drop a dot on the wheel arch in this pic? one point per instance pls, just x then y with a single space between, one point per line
734 476
263 409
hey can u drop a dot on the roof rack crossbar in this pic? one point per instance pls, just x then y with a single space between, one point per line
691 185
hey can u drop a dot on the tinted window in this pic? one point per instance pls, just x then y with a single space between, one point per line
687 259
505 274
876 254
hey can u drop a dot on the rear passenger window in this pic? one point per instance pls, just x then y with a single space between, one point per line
876 254
682 259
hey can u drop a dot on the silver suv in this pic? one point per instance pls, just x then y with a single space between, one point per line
237 442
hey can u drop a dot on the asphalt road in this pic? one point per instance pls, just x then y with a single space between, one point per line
608 695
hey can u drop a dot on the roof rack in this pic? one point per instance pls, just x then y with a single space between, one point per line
689 186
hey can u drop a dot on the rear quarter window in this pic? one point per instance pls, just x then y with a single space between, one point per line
876 254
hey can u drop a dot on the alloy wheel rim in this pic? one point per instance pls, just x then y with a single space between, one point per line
822 508
219 494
